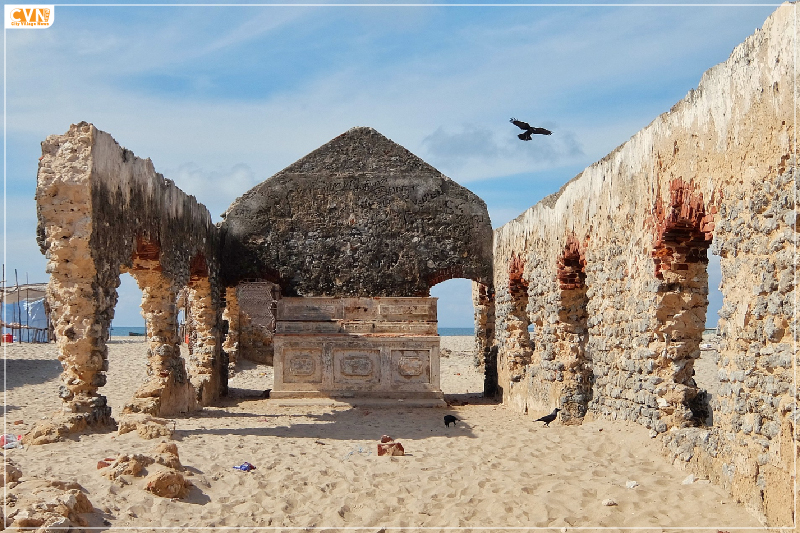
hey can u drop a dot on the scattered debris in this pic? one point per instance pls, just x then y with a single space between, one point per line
167 484
631 484
166 480
357 449
389 447
608 502
689 480
245 467
47 506
11 441
11 472
146 426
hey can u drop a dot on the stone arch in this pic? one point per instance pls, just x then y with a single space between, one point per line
101 211
683 234
167 390
484 327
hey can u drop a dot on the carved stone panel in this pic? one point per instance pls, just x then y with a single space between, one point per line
411 366
310 309
302 365
356 367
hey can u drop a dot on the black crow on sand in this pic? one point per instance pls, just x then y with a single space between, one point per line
448 419
548 418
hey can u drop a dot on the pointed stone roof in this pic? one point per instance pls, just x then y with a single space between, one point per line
360 150
358 216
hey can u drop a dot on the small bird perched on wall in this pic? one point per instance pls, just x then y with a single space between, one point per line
529 130
548 418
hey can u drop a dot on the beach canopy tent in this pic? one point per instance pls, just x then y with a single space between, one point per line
25 313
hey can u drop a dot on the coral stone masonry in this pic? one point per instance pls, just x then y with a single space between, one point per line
610 277
592 301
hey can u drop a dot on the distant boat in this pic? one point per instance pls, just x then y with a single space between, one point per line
134 334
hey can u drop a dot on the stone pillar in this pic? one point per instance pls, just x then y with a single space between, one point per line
208 375
167 391
518 340
485 348
571 333
81 300
231 315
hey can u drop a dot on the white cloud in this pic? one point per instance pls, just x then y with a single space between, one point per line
216 189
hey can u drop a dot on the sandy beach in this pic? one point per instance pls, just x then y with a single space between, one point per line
317 465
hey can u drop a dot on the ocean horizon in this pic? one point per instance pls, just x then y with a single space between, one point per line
125 331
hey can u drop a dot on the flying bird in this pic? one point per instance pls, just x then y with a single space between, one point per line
548 418
448 419
529 130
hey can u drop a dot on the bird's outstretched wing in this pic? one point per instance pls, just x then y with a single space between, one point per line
540 131
520 124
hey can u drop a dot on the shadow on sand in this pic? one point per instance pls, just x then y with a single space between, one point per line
353 423
21 372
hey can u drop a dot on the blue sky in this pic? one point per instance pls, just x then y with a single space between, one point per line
221 98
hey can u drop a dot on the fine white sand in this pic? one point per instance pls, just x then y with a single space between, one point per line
317 465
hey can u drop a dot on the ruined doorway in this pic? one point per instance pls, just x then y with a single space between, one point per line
683 234
462 366
249 322
122 380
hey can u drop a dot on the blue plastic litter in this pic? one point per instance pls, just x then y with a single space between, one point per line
245 467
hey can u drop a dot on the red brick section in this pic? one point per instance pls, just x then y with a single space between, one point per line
146 250
198 268
517 285
572 266
683 230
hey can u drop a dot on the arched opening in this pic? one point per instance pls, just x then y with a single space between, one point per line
249 324
127 333
166 391
706 366
462 362
683 236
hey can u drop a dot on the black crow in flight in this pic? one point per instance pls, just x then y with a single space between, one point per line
529 130
548 418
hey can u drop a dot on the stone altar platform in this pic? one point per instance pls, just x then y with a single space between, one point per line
357 348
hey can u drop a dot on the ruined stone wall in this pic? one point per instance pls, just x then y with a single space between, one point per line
717 170
102 211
